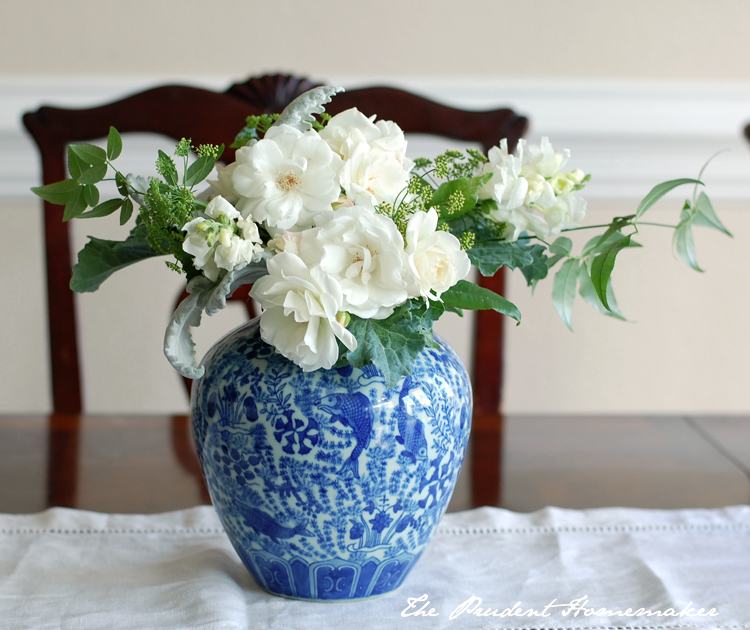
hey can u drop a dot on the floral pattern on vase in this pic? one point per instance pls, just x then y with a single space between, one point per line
328 484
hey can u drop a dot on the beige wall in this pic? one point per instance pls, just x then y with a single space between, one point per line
662 39
686 351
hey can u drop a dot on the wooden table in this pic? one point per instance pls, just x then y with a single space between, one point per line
146 464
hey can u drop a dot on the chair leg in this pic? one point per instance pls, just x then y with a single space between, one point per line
486 459
62 460
185 454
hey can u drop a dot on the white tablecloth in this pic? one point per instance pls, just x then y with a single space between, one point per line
79 570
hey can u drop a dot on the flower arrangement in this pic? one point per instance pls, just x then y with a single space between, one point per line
353 249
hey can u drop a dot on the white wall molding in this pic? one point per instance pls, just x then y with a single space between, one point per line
630 135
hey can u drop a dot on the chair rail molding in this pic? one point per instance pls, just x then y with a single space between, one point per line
628 134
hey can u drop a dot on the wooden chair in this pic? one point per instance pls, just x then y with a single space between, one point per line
210 117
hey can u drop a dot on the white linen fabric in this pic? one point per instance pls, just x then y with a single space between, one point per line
78 570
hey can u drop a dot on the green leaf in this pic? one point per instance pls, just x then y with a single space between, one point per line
103 209
611 234
562 246
76 204
564 290
658 191
588 293
469 187
91 195
199 170
58 193
126 212
603 264
93 174
122 184
89 154
76 165
392 344
538 268
489 256
99 259
684 246
114 144
488 205
469 296
706 215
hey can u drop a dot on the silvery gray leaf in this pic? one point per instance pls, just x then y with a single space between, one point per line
231 282
179 347
137 187
299 113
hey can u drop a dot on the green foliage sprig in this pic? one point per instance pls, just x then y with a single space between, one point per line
165 205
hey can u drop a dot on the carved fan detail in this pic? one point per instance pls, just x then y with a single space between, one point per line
271 93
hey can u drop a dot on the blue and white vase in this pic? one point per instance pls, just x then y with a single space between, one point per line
329 484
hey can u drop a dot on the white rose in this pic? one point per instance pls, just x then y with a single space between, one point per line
435 257
300 307
286 178
371 178
222 185
364 253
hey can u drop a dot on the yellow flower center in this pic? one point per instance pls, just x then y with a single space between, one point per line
288 181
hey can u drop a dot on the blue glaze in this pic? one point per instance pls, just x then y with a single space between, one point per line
328 484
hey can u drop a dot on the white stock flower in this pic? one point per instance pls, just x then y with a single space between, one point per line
531 192
300 307
214 245
434 256
286 178
567 212
541 159
364 253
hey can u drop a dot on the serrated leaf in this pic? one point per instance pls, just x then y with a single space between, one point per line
538 268
93 175
489 256
391 344
75 205
588 293
91 195
126 212
470 296
658 191
684 246
199 170
89 154
114 144
603 264
562 246
706 215
58 193
103 209
564 290
99 259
